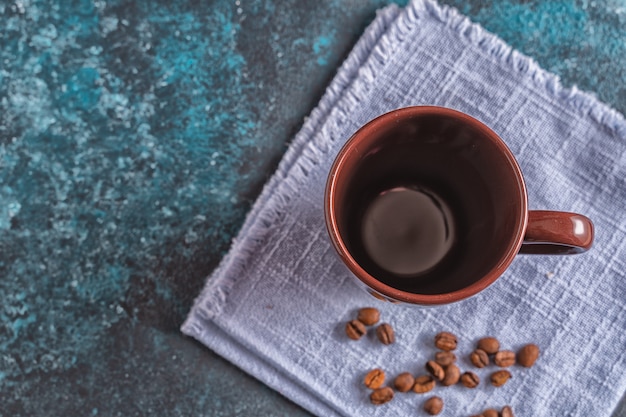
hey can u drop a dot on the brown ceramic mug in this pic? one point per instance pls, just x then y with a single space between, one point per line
427 205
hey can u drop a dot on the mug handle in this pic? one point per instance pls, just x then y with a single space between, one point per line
557 233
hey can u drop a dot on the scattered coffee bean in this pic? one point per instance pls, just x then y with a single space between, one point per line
381 396
489 344
404 382
499 378
433 406
385 334
507 411
528 355
445 358
490 413
443 368
470 379
452 375
355 329
479 358
374 378
423 384
504 358
445 341
368 316
435 370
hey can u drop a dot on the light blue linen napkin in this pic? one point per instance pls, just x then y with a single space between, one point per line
278 303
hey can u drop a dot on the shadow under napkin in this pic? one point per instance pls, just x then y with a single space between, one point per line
273 305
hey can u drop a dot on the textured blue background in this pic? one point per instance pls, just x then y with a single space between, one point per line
134 137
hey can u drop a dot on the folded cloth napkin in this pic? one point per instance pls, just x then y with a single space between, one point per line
278 303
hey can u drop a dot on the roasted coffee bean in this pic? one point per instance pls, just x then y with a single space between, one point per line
489 344
445 358
435 370
433 406
479 358
404 382
423 384
445 341
368 316
355 329
504 358
507 411
385 334
499 378
528 355
452 375
490 413
374 378
381 396
470 380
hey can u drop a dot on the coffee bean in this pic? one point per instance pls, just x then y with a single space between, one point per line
470 380
368 316
404 382
489 344
381 396
490 413
479 358
478 415
385 334
355 329
452 375
499 378
504 358
507 411
445 341
528 355
423 384
374 378
435 370
433 406
445 358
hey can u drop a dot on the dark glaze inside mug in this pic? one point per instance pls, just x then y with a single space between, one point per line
426 205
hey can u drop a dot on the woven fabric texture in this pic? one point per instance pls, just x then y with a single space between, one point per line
278 303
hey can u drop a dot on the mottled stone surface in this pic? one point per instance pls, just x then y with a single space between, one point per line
135 135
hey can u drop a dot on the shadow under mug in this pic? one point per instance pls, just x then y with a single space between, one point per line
427 205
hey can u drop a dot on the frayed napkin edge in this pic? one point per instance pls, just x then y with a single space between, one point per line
300 157
583 103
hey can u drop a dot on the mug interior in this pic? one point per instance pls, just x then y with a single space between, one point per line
453 156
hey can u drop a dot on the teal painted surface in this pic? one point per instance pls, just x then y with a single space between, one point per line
135 135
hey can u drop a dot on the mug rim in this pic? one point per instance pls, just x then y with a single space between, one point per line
389 292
